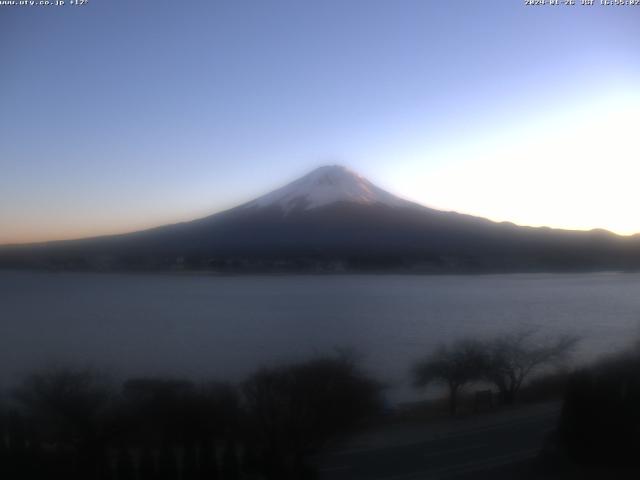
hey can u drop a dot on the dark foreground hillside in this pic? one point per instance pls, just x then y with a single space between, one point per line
74 424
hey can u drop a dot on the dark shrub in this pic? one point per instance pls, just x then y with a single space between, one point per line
600 420
294 411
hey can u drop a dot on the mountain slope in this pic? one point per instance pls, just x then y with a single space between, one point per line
333 219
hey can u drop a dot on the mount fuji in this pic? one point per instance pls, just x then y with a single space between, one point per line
333 219
324 186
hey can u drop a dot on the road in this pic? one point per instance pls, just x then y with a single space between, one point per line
446 450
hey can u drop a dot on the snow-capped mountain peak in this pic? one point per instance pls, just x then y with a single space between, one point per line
324 186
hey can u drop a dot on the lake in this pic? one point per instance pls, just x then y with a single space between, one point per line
206 326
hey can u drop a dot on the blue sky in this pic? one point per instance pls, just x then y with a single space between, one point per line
120 115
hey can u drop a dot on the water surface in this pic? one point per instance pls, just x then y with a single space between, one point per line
223 327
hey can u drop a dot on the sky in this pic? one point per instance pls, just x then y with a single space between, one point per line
119 115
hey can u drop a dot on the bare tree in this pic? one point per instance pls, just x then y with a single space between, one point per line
510 359
455 366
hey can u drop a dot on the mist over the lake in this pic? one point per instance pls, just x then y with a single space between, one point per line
224 327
